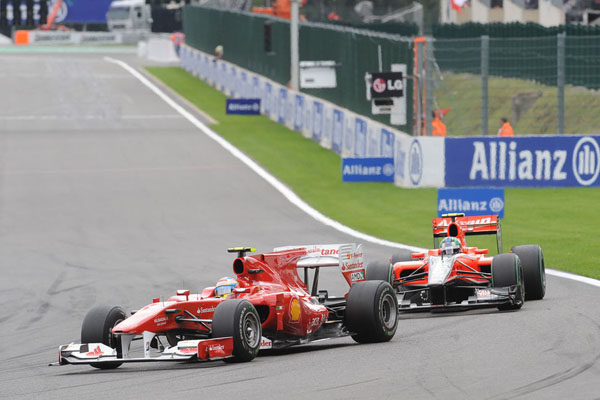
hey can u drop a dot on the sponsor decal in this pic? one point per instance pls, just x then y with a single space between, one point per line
360 137
243 106
282 105
549 161
317 121
471 201
330 252
415 162
188 350
338 131
95 353
215 347
387 84
373 169
202 310
295 310
161 321
266 343
478 221
586 161
357 276
482 292
387 143
299 113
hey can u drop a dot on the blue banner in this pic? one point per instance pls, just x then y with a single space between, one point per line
81 11
243 106
387 143
317 121
338 131
360 137
379 169
282 105
535 161
299 112
471 201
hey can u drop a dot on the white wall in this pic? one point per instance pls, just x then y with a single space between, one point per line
550 14
419 160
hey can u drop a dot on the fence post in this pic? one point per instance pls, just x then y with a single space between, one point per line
429 84
485 65
419 90
294 53
560 81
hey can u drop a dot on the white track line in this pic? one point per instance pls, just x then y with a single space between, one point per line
284 190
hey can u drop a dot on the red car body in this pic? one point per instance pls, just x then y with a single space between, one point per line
466 277
269 292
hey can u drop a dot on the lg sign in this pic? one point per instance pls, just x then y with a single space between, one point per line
379 85
387 84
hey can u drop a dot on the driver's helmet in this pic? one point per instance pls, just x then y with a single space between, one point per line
225 286
450 245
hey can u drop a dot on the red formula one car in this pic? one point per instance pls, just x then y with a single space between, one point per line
266 306
453 275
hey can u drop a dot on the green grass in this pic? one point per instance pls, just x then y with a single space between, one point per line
560 220
462 92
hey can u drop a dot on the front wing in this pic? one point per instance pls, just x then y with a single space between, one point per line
433 298
185 350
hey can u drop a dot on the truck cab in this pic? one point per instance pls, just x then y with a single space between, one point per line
129 16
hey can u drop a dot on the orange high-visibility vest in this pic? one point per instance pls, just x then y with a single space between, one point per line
439 129
506 130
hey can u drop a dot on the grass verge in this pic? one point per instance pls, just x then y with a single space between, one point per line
559 219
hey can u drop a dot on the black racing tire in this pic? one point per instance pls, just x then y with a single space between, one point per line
534 270
97 328
402 256
379 271
238 318
507 271
372 312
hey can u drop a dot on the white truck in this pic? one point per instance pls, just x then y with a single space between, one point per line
129 16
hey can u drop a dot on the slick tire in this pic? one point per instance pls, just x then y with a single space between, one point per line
404 255
379 271
372 312
238 318
507 271
534 270
97 328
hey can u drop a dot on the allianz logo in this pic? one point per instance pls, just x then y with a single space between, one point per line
243 106
503 161
387 169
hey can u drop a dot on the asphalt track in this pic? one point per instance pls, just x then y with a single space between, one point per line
107 195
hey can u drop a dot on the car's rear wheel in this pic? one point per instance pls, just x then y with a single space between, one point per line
379 271
372 312
507 271
534 270
239 319
97 328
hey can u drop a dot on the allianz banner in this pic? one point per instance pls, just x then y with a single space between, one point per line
542 161
374 169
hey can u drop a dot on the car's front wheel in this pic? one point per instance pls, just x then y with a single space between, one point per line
239 319
97 328
507 271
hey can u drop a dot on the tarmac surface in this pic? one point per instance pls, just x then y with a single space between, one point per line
107 195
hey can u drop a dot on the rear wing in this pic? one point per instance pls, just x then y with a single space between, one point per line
348 257
459 226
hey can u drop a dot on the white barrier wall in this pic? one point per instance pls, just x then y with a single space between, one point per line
419 162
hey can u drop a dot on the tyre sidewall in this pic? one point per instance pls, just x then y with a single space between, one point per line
534 270
228 321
